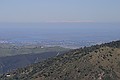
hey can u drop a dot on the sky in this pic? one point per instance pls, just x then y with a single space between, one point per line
59 11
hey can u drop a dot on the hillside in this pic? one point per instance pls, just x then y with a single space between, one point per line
10 63
99 62
13 56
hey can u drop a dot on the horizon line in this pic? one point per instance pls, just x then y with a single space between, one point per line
82 21
70 21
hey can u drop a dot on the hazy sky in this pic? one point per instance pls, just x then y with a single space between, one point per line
59 10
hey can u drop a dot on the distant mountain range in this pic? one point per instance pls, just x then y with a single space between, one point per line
99 62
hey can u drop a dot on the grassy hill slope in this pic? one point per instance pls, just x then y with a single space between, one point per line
9 49
99 62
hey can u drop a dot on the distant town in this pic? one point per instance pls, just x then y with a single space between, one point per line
49 43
